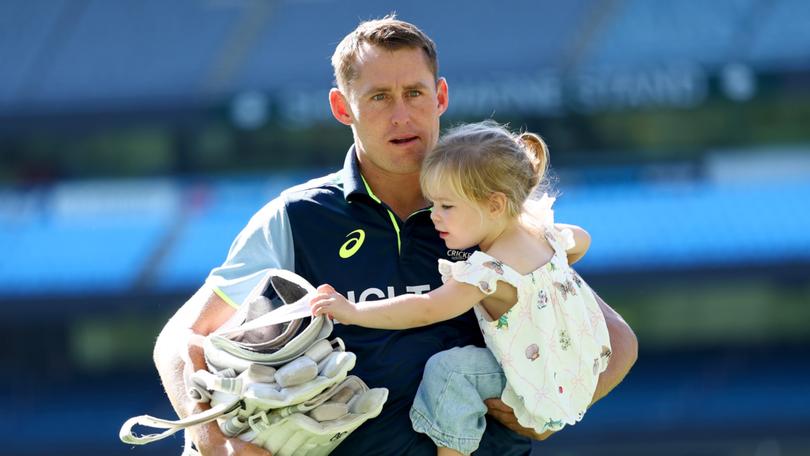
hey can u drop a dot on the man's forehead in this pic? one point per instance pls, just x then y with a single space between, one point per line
379 66
369 52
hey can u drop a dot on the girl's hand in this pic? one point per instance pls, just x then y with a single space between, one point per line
329 302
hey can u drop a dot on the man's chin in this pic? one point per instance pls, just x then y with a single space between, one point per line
416 150
409 163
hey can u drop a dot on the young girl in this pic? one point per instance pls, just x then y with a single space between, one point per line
546 336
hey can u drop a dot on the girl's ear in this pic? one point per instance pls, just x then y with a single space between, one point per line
497 204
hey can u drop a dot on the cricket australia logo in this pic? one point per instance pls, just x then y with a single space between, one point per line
351 246
457 255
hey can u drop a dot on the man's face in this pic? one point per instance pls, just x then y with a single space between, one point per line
393 107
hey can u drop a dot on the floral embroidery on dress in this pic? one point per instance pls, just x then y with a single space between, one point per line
553 425
566 288
532 352
495 265
565 339
542 299
484 286
503 320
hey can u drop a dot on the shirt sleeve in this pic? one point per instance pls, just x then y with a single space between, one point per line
265 243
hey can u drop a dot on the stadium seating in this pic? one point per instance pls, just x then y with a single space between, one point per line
170 245
187 53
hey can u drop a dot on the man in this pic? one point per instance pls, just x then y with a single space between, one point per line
367 231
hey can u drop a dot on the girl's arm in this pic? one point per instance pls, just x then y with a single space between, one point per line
582 241
407 311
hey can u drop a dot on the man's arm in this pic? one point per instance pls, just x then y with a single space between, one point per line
265 242
624 346
178 348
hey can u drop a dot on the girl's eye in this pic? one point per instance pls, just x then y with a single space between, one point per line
446 206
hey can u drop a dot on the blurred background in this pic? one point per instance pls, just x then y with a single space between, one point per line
138 137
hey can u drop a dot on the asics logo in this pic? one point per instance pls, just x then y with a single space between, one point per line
351 246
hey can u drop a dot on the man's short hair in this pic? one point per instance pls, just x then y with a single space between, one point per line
388 33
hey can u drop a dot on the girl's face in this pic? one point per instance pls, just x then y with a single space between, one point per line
461 223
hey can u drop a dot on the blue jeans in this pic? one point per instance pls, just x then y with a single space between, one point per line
449 405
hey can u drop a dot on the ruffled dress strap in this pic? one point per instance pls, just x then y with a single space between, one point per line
543 214
561 239
480 270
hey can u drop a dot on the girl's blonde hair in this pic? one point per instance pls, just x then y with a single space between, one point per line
479 159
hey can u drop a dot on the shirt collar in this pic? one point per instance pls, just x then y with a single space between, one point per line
353 183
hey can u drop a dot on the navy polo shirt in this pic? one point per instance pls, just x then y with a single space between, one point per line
335 230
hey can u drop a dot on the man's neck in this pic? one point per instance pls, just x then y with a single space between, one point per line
401 192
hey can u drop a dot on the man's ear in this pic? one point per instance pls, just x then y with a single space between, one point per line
497 204
442 95
340 107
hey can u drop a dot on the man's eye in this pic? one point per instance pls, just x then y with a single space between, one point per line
378 97
414 93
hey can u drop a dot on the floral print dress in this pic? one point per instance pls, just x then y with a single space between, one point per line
552 344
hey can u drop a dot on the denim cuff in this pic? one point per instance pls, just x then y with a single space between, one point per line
422 424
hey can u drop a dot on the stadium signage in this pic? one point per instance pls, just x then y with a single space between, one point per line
545 93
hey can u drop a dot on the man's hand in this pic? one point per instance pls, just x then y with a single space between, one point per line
211 442
506 416
236 447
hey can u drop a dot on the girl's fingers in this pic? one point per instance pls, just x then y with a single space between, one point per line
320 308
319 300
325 289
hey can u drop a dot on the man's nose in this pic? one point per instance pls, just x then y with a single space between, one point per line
401 112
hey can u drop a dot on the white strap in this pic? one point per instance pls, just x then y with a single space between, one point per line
294 311
127 436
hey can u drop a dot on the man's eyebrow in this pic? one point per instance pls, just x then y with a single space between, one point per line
417 85
386 89
377 89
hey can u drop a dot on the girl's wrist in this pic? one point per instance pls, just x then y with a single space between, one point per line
354 314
